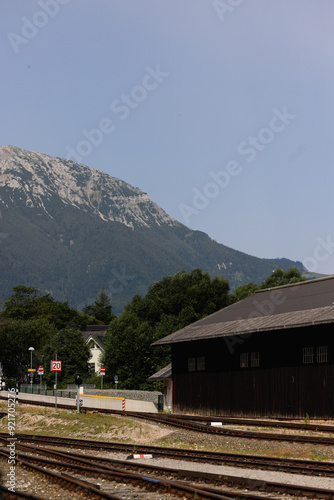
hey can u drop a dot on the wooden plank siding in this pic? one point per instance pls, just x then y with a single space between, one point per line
282 386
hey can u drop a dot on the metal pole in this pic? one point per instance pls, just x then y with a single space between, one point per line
31 371
56 388
78 398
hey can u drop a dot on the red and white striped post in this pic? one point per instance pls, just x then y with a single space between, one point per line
102 372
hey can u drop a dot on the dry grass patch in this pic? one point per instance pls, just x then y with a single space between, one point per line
67 423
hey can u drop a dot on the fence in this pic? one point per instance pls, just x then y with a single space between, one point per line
31 389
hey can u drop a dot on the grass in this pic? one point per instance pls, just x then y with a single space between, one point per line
98 426
32 420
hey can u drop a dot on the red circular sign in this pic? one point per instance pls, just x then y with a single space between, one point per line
102 369
40 369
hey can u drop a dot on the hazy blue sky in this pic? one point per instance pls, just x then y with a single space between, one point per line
222 111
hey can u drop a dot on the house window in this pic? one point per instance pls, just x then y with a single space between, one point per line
91 368
255 359
196 364
322 354
244 360
308 356
201 363
191 364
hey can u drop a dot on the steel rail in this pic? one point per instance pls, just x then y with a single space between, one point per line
297 466
149 482
197 427
165 418
256 422
18 495
94 467
67 481
267 436
277 422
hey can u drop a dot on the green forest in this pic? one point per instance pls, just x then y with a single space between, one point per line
30 319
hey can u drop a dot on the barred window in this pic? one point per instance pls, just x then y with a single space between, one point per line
308 356
191 364
244 360
201 363
255 359
196 364
322 354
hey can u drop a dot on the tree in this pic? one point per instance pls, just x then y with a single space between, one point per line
277 278
280 277
27 303
34 320
101 309
70 346
243 291
16 336
169 305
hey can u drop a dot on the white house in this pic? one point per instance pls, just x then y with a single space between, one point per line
94 336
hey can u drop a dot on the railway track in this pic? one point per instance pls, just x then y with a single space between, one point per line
111 471
18 495
196 424
255 422
136 485
292 466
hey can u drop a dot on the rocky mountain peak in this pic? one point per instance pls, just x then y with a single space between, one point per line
37 178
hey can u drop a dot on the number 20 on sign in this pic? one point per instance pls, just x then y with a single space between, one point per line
56 366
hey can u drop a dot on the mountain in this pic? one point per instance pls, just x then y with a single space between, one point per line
70 230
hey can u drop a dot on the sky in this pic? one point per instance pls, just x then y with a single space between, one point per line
221 110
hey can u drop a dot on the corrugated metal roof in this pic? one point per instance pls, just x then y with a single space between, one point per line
162 374
291 306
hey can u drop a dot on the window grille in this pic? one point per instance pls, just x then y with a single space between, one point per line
196 364
201 363
308 356
244 360
191 364
255 359
322 354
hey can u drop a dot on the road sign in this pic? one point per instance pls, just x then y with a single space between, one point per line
102 370
56 366
40 370
31 370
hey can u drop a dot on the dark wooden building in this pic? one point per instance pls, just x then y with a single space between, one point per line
270 354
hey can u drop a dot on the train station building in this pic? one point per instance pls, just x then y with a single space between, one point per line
270 354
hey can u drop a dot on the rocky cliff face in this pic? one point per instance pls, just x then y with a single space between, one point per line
70 230
35 179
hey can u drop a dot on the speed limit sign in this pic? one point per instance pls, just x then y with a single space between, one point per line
56 366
